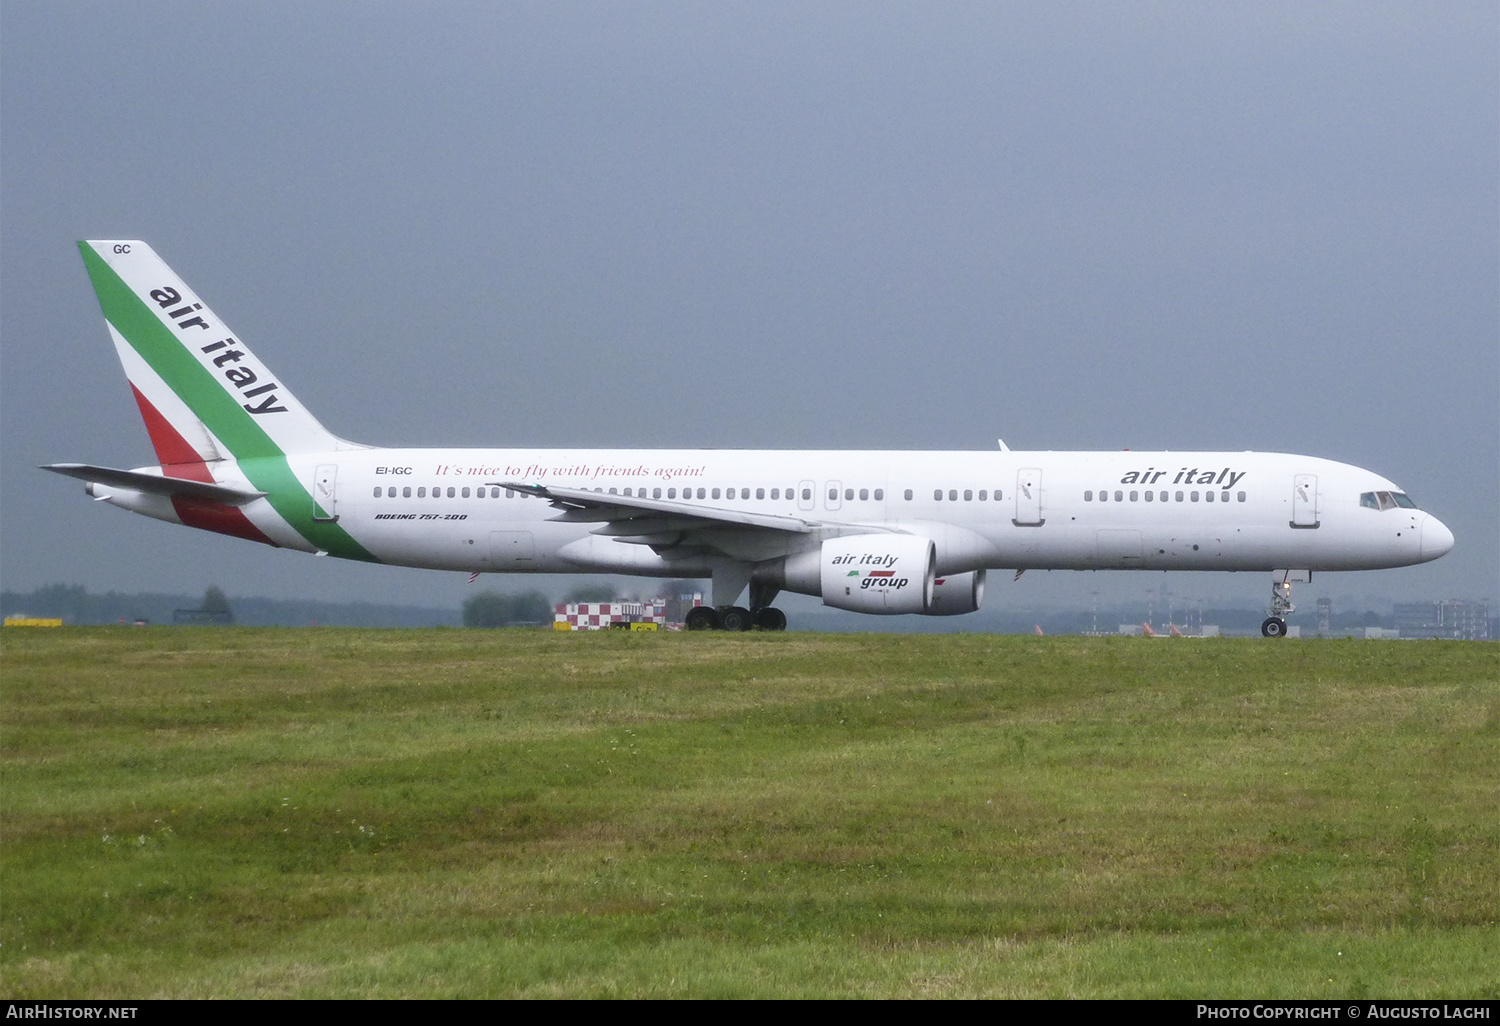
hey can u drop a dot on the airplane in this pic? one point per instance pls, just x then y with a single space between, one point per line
900 532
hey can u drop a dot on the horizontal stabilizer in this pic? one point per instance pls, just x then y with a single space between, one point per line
156 484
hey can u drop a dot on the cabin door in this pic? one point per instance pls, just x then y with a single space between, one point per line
1029 498
835 491
325 493
806 495
1305 500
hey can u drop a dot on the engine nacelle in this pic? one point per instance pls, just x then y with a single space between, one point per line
878 573
956 593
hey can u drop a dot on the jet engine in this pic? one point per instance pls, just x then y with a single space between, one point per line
867 573
956 593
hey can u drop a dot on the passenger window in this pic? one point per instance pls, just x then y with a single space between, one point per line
1179 496
671 493
983 495
997 495
406 493
1119 496
848 494
1208 496
908 495
465 492
879 494
806 494
1224 497
1163 496
1088 496
1150 497
760 493
968 495
1103 496
1135 496
703 493
656 493
952 494
1241 496
775 493
1193 496
377 491
716 493
833 494
937 495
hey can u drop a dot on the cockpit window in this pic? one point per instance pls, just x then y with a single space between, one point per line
1386 500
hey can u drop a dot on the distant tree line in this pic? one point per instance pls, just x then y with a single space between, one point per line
75 604
492 609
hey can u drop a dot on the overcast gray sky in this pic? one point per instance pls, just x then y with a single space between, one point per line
1268 226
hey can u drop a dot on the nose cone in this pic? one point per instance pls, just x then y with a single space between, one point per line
1436 538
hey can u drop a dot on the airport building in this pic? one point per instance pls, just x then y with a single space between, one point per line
1466 621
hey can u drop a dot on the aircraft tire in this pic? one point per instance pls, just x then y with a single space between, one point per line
1273 627
701 618
735 618
770 619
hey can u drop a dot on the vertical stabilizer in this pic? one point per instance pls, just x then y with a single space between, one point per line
202 393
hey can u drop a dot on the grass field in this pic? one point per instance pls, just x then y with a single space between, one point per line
202 812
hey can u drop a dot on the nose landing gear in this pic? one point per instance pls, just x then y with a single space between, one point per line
1274 626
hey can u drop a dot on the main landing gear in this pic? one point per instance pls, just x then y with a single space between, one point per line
1274 626
761 616
734 618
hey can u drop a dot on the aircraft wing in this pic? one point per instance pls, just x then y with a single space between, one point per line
155 484
625 515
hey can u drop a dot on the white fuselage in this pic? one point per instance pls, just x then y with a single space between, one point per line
448 509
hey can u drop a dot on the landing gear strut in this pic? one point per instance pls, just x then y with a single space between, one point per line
763 615
1274 626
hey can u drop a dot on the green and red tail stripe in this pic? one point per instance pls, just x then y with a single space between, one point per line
209 403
